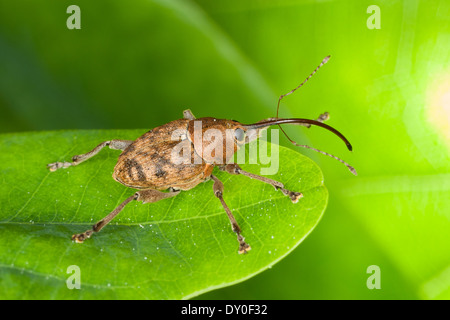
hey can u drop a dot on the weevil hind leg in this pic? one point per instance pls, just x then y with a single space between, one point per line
218 192
76 160
146 196
234 168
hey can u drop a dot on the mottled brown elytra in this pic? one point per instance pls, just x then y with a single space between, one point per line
153 164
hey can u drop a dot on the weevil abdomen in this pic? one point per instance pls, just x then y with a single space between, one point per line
152 162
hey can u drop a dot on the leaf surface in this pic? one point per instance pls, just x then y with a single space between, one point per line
176 248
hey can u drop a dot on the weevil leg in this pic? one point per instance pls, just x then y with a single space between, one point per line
218 192
146 196
187 114
76 160
80 237
234 168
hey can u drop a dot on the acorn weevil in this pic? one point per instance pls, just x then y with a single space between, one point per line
148 163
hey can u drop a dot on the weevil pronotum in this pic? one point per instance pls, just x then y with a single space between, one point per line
148 163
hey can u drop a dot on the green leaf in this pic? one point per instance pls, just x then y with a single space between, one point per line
386 91
176 248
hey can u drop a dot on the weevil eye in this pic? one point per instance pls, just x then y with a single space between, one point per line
239 135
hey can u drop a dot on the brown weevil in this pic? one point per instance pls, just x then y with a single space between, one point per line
181 154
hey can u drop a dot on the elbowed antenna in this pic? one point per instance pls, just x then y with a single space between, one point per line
325 60
300 121
278 121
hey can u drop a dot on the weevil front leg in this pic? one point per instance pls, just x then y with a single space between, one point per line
234 168
146 196
187 114
218 192
76 160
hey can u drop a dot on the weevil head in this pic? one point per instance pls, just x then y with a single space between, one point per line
216 140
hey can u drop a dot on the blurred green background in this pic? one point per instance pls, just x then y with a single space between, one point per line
139 64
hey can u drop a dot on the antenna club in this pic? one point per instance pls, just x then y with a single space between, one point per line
352 170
